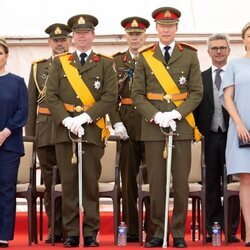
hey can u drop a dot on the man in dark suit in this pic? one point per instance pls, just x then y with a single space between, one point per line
81 90
167 88
40 121
212 120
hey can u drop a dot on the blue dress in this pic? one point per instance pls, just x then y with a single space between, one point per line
238 74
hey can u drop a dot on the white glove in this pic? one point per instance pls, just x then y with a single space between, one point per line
159 116
174 114
80 132
78 121
67 122
172 125
120 131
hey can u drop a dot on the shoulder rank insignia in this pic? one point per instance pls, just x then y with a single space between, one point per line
39 61
62 54
186 45
146 47
118 53
99 54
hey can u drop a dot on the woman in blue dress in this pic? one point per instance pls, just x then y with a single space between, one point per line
236 90
14 113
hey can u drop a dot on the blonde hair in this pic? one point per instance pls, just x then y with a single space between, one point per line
245 28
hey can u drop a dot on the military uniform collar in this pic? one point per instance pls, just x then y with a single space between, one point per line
88 52
170 51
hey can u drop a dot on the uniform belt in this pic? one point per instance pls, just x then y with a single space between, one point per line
78 108
68 107
43 111
167 97
126 101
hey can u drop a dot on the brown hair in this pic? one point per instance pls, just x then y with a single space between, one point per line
4 45
245 28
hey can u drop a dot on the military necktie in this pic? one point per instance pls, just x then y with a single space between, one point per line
166 54
217 80
82 56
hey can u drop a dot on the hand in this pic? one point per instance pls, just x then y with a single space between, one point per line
67 122
120 131
172 125
4 134
174 114
80 132
78 121
162 119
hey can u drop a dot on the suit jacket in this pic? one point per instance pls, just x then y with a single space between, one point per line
39 125
127 114
14 110
205 110
100 78
184 68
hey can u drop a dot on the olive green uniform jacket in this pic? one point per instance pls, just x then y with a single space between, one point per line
99 76
184 68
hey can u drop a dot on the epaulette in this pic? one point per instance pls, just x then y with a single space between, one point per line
62 54
146 47
99 54
118 53
38 61
186 45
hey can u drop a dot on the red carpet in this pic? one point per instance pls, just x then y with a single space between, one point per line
106 237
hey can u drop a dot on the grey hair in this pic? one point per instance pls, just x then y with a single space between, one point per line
218 36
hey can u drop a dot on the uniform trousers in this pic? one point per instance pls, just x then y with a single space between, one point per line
181 162
91 170
132 155
215 144
47 159
9 162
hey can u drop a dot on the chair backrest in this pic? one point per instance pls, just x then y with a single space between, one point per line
195 174
26 161
108 162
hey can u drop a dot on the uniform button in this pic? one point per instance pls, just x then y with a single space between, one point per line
77 97
167 67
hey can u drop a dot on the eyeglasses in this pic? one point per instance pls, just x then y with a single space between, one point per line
216 49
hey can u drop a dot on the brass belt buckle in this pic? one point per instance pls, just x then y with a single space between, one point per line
167 98
78 108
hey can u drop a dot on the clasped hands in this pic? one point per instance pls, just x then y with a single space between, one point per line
166 119
74 124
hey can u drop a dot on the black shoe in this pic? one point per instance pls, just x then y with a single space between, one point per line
235 239
209 238
71 241
247 244
132 238
154 242
180 243
58 239
90 241
4 244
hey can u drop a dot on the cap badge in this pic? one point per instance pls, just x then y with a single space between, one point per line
81 20
134 23
167 14
58 31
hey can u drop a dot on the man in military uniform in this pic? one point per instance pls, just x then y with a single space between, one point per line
127 122
40 121
167 88
81 90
